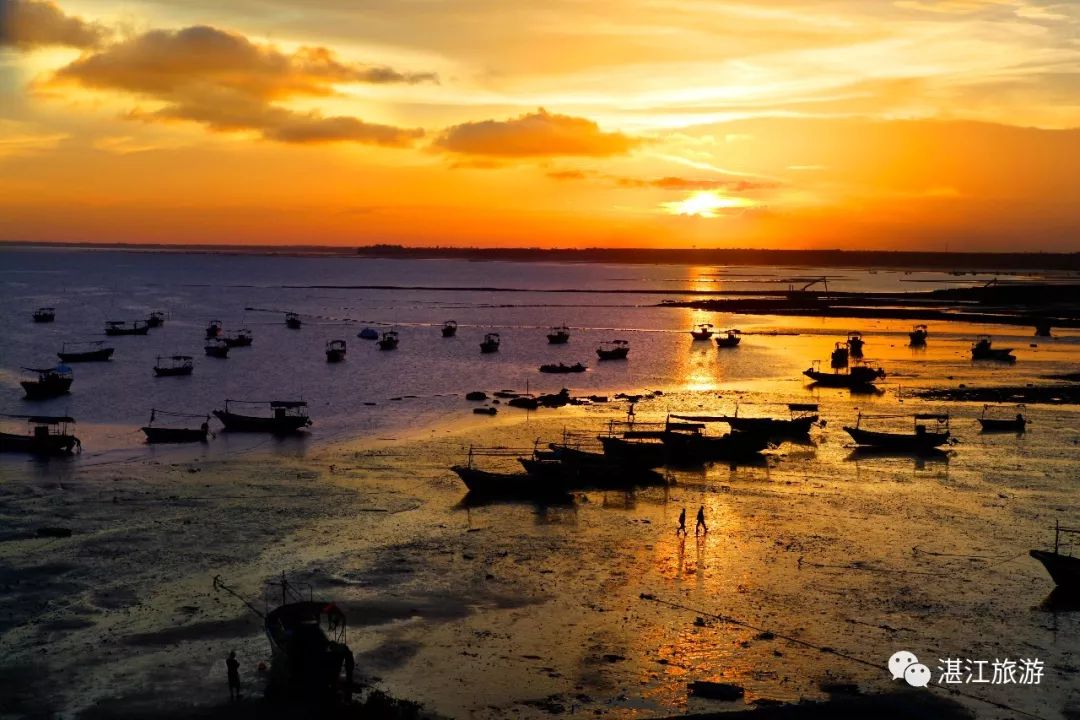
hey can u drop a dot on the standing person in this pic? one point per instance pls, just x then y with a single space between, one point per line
682 523
234 675
701 521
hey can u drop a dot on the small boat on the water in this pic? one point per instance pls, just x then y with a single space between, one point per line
561 368
155 319
89 351
613 350
44 315
51 382
839 356
702 331
449 328
855 343
921 439
125 327
559 335
174 365
368 334
242 338
1016 424
983 349
859 375
490 343
286 416
48 435
293 321
918 336
166 434
802 417
217 349
389 340
729 339
213 329
335 351
1063 569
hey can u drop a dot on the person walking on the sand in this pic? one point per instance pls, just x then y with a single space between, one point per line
701 526
682 523
234 675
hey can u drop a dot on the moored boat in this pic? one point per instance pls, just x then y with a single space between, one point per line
562 368
1063 569
613 350
155 319
490 344
1016 424
802 417
983 349
335 351
559 335
48 435
217 348
729 339
44 315
859 375
293 321
486 483
174 365
168 434
242 338
213 329
921 439
287 416
389 340
449 328
703 331
89 351
125 327
51 382
918 335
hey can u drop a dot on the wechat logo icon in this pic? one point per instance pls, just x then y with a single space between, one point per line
904 664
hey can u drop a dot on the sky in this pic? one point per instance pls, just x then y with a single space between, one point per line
870 124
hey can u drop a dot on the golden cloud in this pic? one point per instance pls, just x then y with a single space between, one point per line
32 23
537 134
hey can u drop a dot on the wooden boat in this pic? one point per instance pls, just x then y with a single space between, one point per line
174 365
485 483
335 351
1063 569
389 340
91 351
839 356
729 340
123 327
562 368
50 383
855 343
702 331
983 349
44 315
48 435
920 440
287 416
687 444
155 319
163 434
217 349
918 335
292 321
213 329
449 328
637 448
242 338
857 376
559 335
803 416
1016 424
490 344
368 334
613 350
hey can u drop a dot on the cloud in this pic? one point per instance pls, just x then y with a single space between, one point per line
227 82
537 134
31 23
668 182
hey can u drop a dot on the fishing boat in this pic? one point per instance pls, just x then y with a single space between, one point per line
613 350
802 417
449 328
1063 569
855 343
166 434
89 351
729 339
486 483
174 365
242 338
47 435
293 321
857 376
580 468
490 343
839 356
918 336
335 351
921 439
124 327
286 416
1016 424
217 349
44 315
155 319
51 382
368 334
562 368
559 335
983 349
702 331
389 340
213 329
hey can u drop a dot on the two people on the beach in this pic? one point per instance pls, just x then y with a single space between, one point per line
233 666
700 526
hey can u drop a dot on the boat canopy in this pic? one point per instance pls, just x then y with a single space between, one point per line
285 403
43 419
803 407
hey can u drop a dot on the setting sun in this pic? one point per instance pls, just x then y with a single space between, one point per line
705 203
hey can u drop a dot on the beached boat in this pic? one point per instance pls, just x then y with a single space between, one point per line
702 331
983 349
174 365
449 328
242 338
729 339
166 434
217 349
389 340
125 327
613 350
635 448
490 343
44 315
688 444
293 321
918 336
155 319
559 335
485 483
368 334
1063 569
335 351
90 351
839 356
855 343
562 368
287 416
47 435
921 439
857 376
1016 424
802 417
213 329
51 382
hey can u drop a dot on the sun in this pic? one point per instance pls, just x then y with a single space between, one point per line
705 203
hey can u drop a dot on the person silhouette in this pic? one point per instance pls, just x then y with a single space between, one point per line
233 666
682 523
701 526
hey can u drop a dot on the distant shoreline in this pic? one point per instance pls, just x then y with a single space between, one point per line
957 262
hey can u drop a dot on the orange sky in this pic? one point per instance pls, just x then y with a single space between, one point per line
913 124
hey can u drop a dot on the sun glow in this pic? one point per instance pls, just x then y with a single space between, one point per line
706 204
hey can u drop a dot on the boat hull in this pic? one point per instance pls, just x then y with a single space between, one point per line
173 372
795 427
253 423
617 354
37 390
493 484
836 379
728 342
637 453
333 356
174 435
1064 570
50 445
994 425
141 330
900 442
89 356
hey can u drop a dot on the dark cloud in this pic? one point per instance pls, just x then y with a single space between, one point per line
669 182
31 23
536 134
